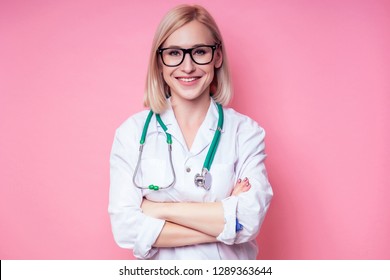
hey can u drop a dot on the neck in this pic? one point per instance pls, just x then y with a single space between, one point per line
190 112
190 116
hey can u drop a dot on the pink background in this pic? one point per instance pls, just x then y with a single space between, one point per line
314 74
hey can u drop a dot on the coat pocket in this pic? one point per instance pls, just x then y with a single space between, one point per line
222 175
153 172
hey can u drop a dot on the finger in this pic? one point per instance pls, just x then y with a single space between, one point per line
246 188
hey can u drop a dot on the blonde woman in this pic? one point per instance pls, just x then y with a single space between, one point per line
197 188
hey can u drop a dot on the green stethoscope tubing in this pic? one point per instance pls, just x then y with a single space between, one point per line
199 178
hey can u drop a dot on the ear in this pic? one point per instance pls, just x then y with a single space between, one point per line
218 58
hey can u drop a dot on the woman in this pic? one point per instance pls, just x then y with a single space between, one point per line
181 217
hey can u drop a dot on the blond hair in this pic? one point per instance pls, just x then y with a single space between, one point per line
156 90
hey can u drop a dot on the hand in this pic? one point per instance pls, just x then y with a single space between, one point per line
241 187
152 209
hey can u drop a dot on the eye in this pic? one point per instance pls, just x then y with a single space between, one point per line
200 51
173 52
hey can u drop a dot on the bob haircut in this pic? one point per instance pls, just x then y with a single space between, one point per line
156 90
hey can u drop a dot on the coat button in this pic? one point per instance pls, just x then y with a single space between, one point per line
188 170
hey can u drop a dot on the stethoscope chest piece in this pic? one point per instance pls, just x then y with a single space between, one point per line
203 180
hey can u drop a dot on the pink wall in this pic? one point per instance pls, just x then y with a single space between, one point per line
314 74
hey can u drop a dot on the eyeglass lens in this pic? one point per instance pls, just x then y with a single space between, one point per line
200 55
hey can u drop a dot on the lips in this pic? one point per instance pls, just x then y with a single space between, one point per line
187 79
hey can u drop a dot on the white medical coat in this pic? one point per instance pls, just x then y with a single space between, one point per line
240 154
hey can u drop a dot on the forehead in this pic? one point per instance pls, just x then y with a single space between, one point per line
188 35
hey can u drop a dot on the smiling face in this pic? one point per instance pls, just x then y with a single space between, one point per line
190 81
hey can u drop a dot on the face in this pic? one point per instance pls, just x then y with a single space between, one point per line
190 81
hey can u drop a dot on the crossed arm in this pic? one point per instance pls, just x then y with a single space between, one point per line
190 223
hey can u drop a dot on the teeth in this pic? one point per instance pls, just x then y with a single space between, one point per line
187 79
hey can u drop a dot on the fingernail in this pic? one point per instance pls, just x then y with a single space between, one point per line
239 180
246 179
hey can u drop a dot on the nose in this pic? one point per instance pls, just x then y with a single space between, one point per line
188 65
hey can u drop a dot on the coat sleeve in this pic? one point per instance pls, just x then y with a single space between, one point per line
131 228
250 207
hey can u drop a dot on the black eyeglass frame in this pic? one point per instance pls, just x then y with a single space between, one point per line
189 51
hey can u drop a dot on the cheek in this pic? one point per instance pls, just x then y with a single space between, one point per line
166 75
210 72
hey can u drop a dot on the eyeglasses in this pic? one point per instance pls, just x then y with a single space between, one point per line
201 55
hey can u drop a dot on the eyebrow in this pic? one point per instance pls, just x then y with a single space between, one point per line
179 47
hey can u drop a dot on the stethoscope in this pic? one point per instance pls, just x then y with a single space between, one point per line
202 179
